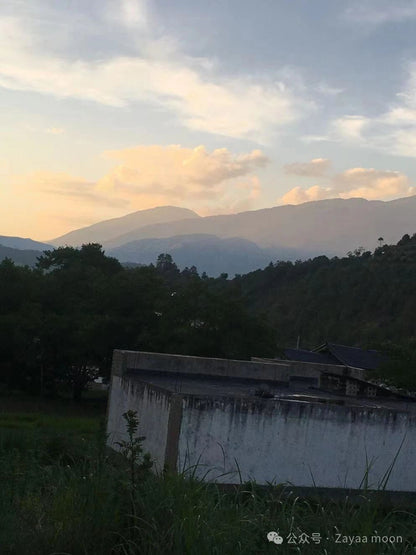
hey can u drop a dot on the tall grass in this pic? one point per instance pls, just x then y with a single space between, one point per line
62 492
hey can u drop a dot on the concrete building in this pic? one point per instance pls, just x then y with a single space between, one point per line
267 421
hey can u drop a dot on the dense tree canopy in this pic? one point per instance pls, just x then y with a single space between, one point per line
60 321
362 299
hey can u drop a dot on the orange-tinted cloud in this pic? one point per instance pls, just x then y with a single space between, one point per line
365 183
144 177
196 178
372 184
298 195
314 168
176 170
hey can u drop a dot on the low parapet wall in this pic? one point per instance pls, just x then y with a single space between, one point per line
124 361
310 368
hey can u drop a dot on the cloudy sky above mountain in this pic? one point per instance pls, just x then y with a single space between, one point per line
111 106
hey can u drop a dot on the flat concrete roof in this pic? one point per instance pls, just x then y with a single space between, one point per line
296 391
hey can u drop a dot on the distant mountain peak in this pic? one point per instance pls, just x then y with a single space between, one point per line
23 243
107 230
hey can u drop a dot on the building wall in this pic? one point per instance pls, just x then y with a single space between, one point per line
276 371
304 444
153 410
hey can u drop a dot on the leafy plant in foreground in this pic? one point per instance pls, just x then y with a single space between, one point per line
132 449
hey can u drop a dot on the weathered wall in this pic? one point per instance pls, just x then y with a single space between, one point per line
200 366
304 444
153 410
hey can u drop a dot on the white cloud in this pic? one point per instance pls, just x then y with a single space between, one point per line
237 107
314 168
367 183
134 13
55 130
327 90
378 12
350 127
393 131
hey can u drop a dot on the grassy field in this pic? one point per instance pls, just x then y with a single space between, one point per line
62 492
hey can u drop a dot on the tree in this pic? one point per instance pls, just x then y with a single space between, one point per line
399 368
74 330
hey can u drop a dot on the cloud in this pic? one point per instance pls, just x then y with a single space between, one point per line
46 204
241 106
327 90
372 184
367 183
379 12
314 168
144 177
298 195
180 166
55 130
61 184
392 132
173 174
133 13
350 127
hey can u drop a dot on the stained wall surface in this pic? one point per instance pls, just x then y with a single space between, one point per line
305 444
204 412
153 408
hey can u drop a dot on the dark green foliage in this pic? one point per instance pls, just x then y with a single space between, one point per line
132 449
360 300
60 322
400 366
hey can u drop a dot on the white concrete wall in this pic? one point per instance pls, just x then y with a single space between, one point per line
152 406
303 444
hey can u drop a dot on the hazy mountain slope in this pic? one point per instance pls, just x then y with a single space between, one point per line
20 256
103 232
332 226
208 253
23 243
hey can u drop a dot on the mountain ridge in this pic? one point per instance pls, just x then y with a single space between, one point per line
23 243
100 232
209 253
353 223
282 232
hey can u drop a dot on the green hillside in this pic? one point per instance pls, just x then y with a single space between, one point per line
363 299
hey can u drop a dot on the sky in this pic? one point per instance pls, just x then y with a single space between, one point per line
113 106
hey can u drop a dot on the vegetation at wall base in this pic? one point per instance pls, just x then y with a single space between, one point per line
62 491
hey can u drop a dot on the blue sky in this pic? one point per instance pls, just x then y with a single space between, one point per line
113 106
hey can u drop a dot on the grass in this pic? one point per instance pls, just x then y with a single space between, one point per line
62 492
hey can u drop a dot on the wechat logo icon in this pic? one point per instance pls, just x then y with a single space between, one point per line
275 538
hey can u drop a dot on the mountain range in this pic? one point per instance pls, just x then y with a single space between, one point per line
118 230
239 243
23 243
209 253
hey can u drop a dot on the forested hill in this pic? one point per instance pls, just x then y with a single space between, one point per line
363 299
60 321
